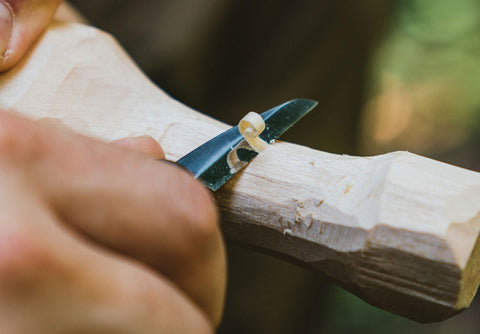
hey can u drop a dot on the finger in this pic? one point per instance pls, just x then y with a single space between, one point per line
21 22
146 209
149 210
144 144
68 13
53 282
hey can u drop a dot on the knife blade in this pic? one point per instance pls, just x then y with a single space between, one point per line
220 158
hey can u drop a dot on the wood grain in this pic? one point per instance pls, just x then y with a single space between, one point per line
398 230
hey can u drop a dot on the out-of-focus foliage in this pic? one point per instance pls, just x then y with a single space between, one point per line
357 317
426 79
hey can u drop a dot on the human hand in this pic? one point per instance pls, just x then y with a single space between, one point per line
21 22
99 238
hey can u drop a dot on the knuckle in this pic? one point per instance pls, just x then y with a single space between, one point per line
25 261
202 218
18 138
191 207
8 135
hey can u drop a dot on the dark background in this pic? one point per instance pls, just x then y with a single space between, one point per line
388 75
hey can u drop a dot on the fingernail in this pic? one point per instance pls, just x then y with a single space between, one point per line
6 21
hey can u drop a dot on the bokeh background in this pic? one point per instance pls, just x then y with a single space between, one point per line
389 75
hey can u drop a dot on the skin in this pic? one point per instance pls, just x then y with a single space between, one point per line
27 19
99 237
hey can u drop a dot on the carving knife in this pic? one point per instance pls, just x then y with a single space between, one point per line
216 161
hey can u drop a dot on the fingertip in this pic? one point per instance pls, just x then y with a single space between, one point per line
142 144
21 22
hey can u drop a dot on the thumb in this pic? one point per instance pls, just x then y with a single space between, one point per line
21 22
144 144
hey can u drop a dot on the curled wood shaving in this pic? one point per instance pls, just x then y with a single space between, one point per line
251 126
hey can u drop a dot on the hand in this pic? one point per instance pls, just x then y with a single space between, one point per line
101 238
21 22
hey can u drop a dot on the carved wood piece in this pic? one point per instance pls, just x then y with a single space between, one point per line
398 230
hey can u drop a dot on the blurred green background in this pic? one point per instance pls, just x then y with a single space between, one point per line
389 75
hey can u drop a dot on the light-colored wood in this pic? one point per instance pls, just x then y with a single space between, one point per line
398 230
